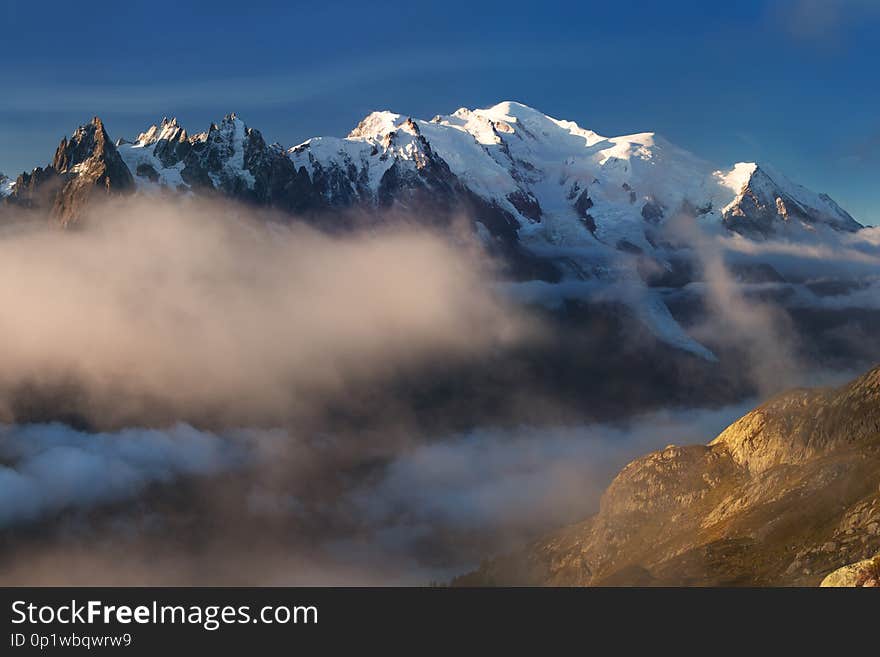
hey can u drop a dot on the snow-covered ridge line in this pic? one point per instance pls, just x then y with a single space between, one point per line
560 182
547 190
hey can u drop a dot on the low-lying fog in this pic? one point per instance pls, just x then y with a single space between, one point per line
190 394
428 513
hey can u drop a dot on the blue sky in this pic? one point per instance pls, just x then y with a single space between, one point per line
791 82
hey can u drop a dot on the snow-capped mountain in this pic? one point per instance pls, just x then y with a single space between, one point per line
765 196
562 184
229 158
6 186
551 181
571 211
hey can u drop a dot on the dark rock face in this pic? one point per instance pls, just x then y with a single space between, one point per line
147 171
85 166
652 212
36 189
431 182
752 217
89 163
526 204
229 159
582 205
174 145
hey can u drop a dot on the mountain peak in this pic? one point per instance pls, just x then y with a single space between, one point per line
87 141
167 130
738 177
89 161
510 111
513 109
376 125
766 200
230 128
514 117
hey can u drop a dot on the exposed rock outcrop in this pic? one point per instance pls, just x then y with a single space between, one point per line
89 163
85 166
865 573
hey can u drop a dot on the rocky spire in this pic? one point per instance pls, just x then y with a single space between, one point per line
87 162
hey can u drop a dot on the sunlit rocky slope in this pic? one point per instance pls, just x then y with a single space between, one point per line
784 496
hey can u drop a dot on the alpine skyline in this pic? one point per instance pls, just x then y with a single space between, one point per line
785 82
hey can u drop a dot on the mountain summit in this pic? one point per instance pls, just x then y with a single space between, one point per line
85 165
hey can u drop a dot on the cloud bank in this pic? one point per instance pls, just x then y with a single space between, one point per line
184 309
159 311
432 510
46 469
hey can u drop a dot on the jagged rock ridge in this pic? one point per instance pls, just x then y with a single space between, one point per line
768 200
86 165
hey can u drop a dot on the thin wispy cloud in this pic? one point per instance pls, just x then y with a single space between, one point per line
824 22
